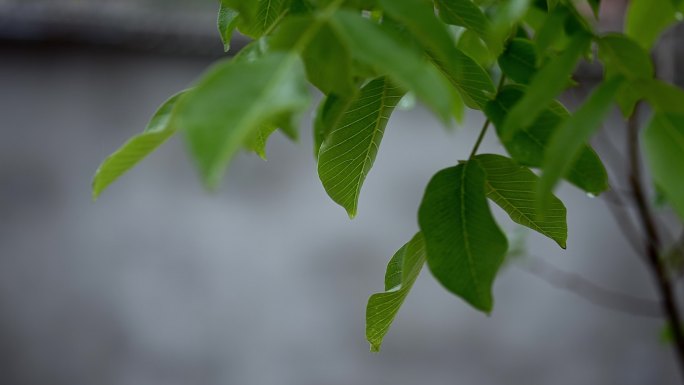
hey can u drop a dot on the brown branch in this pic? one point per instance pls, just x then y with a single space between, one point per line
589 290
653 244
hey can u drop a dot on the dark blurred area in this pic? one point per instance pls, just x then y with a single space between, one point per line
266 281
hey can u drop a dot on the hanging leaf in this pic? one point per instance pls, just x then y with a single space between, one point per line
227 22
572 135
647 19
402 271
664 147
518 60
235 99
465 13
514 188
350 147
465 247
158 130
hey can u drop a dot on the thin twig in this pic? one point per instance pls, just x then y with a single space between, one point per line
485 126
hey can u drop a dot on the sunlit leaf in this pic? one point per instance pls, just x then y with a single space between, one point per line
402 271
349 148
514 188
465 246
158 130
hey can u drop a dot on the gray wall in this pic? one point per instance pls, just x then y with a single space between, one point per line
264 282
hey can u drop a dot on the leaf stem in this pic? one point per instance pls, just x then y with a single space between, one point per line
485 126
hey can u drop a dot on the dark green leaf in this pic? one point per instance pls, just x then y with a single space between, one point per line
227 22
468 15
372 45
664 147
402 271
518 60
158 130
465 247
350 147
463 72
328 115
259 139
514 188
549 81
259 17
621 55
528 145
233 100
572 135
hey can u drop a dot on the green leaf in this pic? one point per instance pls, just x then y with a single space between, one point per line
465 13
664 147
158 130
549 81
518 60
465 247
471 44
514 187
227 22
463 72
595 7
647 19
259 17
259 139
663 97
232 101
572 135
621 55
349 149
551 30
328 115
528 145
372 45
402 271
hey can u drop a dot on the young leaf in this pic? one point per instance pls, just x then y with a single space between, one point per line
372 45
227 22
402 271
350 147
664 147
519 60
528 145
464 73
465 247
157 131
233 100
647 19
514 188
572 135
549 81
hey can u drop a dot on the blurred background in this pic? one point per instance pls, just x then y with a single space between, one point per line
266 281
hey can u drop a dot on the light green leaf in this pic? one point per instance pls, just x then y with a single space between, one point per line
349 148
259 139
471 44
549 81
572 135
465 247
528 145
227 22
372 45
158 130
664 147
663 97
402 271
464 73
514 188
647 19
259 17
465 13
519 60
621 55
328 115
232 101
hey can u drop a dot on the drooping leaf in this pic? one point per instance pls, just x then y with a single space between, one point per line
465 13
514 188
372 45
529 145
549 81
664 147
647 19
508 14
465 247
518 61
232 101
259 139
402 271
227 22
463 72
349 148
551 30
328 115
259 17
572 135
158 130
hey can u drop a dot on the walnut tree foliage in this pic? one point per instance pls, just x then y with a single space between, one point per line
510 59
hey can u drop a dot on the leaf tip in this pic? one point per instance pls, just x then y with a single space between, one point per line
374 348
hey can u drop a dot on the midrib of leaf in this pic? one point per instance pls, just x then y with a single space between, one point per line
466 235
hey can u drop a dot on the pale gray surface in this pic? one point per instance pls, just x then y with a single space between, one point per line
266 281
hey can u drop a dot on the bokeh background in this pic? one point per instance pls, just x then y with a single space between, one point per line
266 281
